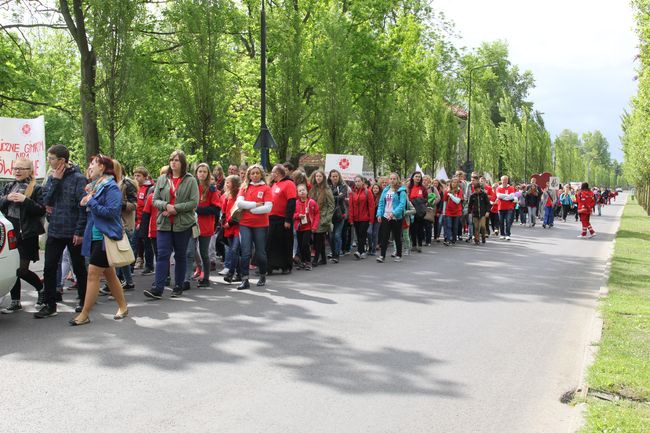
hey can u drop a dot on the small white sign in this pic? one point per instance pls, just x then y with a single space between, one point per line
554 182
348 165
22 138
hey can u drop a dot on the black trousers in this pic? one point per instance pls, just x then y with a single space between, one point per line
386 228
53 251
304 241
319 247
361 230
416 232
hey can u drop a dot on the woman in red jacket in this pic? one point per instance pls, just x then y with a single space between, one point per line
586 203
453 199
418 195
306 220
231 228
361 212
207 211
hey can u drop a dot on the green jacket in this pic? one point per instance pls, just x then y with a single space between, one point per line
187 199
326 210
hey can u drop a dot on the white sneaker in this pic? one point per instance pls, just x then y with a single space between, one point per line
502 237
592 235
397 259
507 238
224 271
582 236
363 255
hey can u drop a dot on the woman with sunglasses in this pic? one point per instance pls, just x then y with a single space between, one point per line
176 196
22 203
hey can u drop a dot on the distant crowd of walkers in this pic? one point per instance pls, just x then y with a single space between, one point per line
249 220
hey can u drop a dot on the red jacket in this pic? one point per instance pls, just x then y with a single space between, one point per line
585 200
226 207
362 206
153 211
310 209
142 198
207 210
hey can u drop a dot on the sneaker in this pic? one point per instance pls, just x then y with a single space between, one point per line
228 278
502 237
177 292
307 267
392 255
446 243
591 235
244 285
40 301
507 238
15 306
147 272
262 281
224 271
380 259
363 255
397 259
139 263
334 260
46 311
582 236
128 287
237 279
357 255
152 294
203 283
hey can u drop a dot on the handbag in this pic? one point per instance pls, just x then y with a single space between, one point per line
430 214
118 252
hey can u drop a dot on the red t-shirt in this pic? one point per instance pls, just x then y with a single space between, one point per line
172 194
256 193
505 204
281 193
418 191
454 209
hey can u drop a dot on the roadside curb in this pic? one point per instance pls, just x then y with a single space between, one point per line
595 335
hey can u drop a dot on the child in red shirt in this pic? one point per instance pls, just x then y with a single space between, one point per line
306 219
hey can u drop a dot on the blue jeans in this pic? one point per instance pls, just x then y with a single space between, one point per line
532 213
168 242
124 273
232 255
249 236
203 243
549 215
336 238
505 221
373 237
451 228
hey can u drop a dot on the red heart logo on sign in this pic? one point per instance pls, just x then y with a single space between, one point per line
542 179
26 129
344 163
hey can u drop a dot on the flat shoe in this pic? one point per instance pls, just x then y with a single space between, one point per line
120 316
73 322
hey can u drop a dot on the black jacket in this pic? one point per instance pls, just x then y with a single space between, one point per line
479 204
31 211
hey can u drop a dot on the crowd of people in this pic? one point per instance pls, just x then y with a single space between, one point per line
248 220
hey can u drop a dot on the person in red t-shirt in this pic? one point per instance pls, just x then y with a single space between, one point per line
506 201
256 201
453 199
141 175
418 195
207 212
361 212
230 229
586 203
279 246
306 220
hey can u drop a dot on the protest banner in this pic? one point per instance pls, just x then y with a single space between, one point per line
348 165
22 138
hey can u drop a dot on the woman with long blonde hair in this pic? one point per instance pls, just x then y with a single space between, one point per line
21 202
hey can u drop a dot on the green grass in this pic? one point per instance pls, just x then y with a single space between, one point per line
622 366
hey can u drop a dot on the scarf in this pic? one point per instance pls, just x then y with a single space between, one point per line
97 185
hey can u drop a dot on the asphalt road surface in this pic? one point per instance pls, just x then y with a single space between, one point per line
456 339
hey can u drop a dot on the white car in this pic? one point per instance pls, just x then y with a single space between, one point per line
9 259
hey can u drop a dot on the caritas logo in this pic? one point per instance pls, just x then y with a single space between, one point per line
344 163
26 129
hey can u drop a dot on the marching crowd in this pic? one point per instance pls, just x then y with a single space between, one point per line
278 222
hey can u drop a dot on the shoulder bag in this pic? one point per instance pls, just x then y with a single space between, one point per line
118 252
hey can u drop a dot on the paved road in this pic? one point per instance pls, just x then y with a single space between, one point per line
462 339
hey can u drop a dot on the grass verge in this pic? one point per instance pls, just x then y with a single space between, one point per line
622 365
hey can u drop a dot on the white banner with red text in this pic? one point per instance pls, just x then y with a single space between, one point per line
22 138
